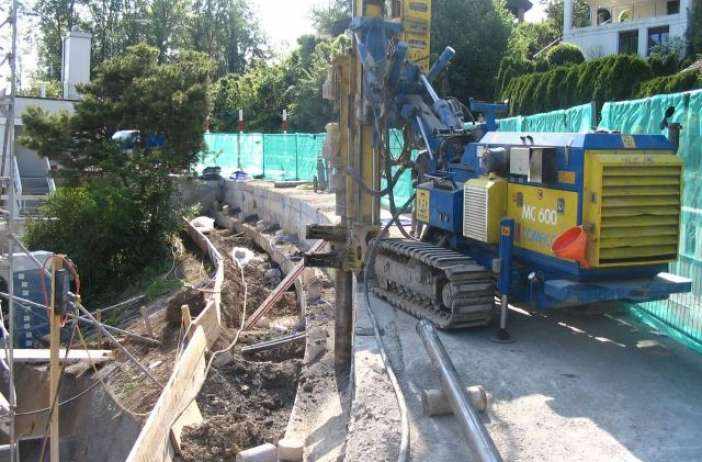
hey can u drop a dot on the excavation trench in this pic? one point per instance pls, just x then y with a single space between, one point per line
247 398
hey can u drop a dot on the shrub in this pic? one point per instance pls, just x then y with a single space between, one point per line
683 81
564 54
111 231
612 78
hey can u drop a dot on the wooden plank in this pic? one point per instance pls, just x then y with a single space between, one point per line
23 355
191 417
277 293
176 407
188 377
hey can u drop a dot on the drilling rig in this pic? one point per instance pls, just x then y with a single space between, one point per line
544 220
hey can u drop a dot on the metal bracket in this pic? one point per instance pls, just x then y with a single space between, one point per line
323 260
326 232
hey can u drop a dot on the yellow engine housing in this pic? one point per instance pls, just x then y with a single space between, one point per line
631 207
485 204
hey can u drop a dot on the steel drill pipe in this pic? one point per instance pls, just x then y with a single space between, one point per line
477 435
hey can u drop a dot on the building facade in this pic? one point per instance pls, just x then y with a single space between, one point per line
625 26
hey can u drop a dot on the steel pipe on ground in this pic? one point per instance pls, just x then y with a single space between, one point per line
477 435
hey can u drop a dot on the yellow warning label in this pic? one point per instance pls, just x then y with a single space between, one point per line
567 177
423 199
628 141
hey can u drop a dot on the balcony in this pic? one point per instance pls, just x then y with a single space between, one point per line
602 28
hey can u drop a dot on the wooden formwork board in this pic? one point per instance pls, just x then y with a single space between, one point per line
176 403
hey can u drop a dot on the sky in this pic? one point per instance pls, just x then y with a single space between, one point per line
284 21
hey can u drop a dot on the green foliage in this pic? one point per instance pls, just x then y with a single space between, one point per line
664 63
294 84
132 91
52 88
109 229
114 215
332 20
528 38
564 54
683 81
226 30
554 13
612 78
478 30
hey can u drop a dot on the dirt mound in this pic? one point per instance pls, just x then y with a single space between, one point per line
195 299
246 404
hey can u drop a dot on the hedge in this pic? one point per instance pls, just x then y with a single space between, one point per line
612 78
683 81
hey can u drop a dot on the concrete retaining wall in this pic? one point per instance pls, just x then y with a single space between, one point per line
292 209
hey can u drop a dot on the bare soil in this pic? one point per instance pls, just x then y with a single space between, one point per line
247 401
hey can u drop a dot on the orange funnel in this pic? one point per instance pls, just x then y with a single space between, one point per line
571 244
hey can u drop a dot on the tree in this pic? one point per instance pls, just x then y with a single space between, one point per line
113 212
132 91
527 39
227 31
478 30
554 13
334 19
56 18
264 91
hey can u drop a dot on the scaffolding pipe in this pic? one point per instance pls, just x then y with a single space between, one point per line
477 435
8 154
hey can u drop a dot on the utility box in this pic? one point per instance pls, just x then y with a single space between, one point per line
30 323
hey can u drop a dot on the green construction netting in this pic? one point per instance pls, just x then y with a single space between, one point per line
681 314
575 119
404 189
229 150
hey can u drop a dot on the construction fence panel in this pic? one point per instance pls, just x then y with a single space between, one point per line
575 119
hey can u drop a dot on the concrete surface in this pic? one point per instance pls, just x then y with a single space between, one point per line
572 387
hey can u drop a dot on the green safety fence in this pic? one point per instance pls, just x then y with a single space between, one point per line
576 119
680 314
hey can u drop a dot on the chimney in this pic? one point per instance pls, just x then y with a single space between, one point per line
76 62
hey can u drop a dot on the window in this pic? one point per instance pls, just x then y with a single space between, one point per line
625 16
657 36
673 6
603 16
629 42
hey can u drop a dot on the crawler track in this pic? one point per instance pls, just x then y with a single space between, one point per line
431 282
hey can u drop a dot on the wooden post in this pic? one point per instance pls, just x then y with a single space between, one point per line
54 365
98 318
185 316
147 321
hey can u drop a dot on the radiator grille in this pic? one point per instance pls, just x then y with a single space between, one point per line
640 214
475 212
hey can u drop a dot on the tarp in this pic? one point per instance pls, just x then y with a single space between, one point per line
575 119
